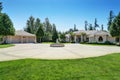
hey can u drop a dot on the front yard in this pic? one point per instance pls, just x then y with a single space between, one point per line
99 68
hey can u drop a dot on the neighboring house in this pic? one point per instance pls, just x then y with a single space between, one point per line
21 37
91 36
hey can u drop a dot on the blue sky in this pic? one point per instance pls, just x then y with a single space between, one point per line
64 13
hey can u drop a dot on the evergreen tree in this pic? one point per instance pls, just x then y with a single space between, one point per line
30 26
48 30
55 34
1 7
6 26
102 28
37 25
75 29
115 27
40 33
86 24
48 25
95 24
91 27
111 17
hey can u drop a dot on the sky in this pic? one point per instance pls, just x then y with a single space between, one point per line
64 13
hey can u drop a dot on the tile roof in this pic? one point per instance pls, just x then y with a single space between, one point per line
92 32
23 33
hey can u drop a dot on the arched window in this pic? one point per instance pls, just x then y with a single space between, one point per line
100 39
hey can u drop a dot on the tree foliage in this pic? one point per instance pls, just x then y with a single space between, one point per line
75 29
40 33
102 28
1 7
90 27
110 20
62 37
86 24
37 25
48 30
95 24
6 25
55 33
115 27
30 25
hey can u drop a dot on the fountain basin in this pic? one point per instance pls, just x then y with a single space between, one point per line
57 45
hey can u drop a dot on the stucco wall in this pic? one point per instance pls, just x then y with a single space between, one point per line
21 39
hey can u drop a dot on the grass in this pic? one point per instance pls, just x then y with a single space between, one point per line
6 45
99 68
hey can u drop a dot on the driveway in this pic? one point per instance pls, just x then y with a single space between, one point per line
44 51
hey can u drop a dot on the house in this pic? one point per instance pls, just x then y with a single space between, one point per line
21 37
91 36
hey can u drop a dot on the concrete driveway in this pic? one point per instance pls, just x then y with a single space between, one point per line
44 51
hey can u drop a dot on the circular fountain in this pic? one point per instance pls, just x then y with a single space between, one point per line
57 44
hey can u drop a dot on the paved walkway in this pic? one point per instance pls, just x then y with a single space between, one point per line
44 51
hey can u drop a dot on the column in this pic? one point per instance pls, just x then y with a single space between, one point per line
75 39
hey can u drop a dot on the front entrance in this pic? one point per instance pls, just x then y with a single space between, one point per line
78 39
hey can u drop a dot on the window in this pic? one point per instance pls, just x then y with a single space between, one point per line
100 39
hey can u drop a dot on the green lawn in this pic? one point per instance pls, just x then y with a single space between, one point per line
6 45
99 68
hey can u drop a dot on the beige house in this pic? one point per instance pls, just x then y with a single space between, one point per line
92 36
21 37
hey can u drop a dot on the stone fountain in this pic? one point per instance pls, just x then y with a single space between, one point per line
57 44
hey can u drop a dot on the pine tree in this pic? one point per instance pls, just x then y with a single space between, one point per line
75 29
86 24
37 25
1 7
91 27
110 20
95 24
40 33
30 25
55 34
102 28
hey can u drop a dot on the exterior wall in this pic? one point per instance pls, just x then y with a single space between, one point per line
103 37
31 39
21 39
92 38
112 39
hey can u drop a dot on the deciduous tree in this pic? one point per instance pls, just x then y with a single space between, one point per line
6 26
